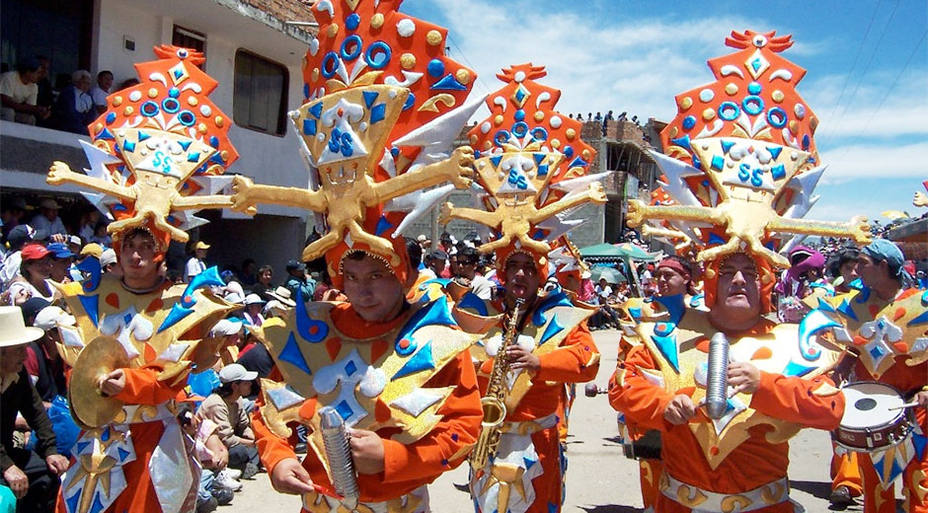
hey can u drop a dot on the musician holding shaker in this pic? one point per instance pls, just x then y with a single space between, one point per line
883 325
395 377
727 388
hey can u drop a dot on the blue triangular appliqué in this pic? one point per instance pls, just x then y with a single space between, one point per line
291 354
448 83
552 329
667 345
421 360
90 304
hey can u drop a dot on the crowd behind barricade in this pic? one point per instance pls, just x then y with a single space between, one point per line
72 102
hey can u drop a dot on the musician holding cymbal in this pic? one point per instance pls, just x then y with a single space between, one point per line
727 388
136 335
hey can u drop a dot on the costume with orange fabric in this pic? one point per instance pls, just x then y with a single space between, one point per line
742 176
532 165
383 108
890 339
158 151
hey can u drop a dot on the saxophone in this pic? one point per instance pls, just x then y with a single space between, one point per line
494 402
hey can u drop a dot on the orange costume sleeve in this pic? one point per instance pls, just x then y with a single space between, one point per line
271 448
406 467
630 392
795 400
445 446
143 387
576 361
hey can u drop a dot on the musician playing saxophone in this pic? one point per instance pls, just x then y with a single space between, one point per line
551 346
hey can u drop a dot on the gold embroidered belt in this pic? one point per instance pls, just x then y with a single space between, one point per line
133 413
527 427
704 501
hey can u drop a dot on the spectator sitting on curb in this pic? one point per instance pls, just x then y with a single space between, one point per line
32 475
227 409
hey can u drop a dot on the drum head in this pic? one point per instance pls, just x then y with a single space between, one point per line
870 404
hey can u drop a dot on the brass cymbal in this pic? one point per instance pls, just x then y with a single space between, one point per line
98 358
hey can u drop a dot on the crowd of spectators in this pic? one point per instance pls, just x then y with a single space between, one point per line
77 99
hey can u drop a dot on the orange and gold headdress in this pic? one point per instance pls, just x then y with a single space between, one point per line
741 162
157 150
383 105
532 166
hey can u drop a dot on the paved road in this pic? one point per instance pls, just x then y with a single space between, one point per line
599 478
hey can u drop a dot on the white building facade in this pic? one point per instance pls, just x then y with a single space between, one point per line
250 51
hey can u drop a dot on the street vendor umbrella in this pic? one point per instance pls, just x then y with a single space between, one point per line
624 251
611 274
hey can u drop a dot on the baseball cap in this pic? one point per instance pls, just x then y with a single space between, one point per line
296 265
252 299
108 257
51 316
201 245
31 309
438 254
235 372
883 249
226 327
60 250
93 249
20 235
420 238
34 252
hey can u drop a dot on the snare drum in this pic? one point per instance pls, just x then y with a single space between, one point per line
873 418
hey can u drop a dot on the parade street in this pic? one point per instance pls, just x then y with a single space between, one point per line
599 478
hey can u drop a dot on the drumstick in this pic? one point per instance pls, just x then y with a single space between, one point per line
903 406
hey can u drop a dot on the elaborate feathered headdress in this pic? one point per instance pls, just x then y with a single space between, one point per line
741 162
532 166
157 150
383 105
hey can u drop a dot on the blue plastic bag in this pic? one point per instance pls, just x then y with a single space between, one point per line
203 383
66 430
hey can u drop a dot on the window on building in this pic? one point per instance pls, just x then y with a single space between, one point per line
187 38
260 94
59 31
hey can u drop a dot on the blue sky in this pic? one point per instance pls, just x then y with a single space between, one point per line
867 74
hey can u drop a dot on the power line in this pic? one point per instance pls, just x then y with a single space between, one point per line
876 50
898 76
850 73
469 64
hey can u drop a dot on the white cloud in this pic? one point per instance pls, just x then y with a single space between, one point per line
867 109
604 63
621 65
874 160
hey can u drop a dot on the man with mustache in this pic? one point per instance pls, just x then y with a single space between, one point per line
770 402
770 382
